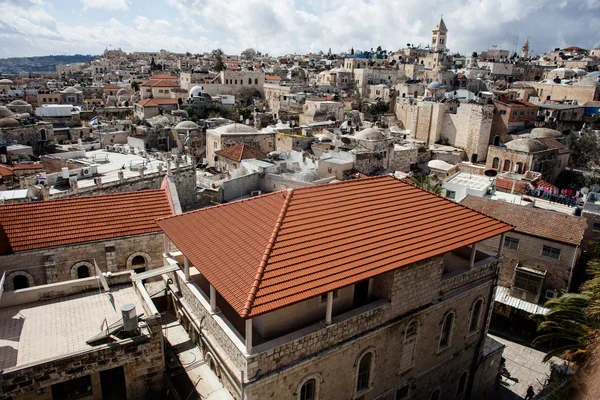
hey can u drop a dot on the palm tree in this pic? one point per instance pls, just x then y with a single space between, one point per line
219 58
565 328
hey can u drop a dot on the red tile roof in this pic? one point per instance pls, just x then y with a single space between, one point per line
8 170
241 152
271 251
272 78
155 102
27 226
110 86
159 83
546 224
163 76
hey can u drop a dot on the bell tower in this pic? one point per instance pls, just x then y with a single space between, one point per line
438 36
525 49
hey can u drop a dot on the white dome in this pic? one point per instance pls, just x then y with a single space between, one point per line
596 46
309 175
186 125
434 85
5 112
196 90
544 132
6 82
234 128
370 134
70 89
526 145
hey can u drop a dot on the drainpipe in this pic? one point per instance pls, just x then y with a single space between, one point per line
572 268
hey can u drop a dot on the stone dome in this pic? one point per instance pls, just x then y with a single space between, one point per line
6 82
370 134
434 85
71 89
159 121
18 103
123 92
187 125
544 132
5 112
235 128
580 72
8 122
309 175
526 145
196 90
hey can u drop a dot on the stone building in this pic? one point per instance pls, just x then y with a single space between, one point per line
545 155
580 91
514 115
320 292
56 241
50 353
236 134
319 111
438 36
40 135
71 95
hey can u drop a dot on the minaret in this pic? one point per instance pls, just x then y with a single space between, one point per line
525 49
438 36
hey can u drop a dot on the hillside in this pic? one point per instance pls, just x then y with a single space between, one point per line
14 65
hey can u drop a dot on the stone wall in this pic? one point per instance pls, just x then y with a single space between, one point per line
556 92
39 136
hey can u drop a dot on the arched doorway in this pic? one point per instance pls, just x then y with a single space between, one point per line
83 272
138 263
507 164
20 282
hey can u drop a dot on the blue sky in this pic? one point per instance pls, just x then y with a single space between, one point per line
277 27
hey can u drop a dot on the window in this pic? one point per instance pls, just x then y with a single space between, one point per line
236 81
73 389
496 163
20 282
551 252
402 392
596 227
502 112
507 165
475 316
528 284
83 272
308 390
511 243
462 383
324 296
522 113
450 194
409 347
364 373
256 81
446 331
514 113
435 395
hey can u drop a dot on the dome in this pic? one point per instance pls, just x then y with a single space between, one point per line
309 175
5 112
186 125
526 145
18 103
370 134
71 89
123 92
440 164
196 90
159 120
8 122
596 46
580 72
434 85
6 82
544 132
123 99
234 128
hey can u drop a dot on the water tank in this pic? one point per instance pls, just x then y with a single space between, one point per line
130 323
65 172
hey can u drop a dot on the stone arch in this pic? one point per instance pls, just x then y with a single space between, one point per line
317 377
76 272
506 167
20 276
519 168
447 324
461 385
211 361
477 307
370 352
134 258
496 163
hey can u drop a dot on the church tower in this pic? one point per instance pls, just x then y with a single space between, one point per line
525 49
438 36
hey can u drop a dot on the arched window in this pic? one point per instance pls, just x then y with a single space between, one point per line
506 166
409 346
20 282
308 390
364 373
475 316
256 81
462 383
83 272
249 81
435 395
43 134
446 331
138 260
495 163
519 168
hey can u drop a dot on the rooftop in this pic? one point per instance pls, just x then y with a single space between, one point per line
473 181
550 225
66 323
241 152
27 226
271 251
155 102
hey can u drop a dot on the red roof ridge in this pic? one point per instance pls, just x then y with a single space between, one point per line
265 258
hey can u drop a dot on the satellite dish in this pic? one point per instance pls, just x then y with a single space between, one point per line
346 140
490 172
584 190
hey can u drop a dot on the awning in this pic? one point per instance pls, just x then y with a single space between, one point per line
503 296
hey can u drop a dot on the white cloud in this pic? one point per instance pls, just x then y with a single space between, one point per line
107 4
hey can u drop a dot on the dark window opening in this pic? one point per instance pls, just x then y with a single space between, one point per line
20 282
138 260
462 381
364 372
113 386
73 389
308 390
83 272
361 293
435 395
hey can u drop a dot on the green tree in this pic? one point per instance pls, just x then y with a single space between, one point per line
428 182
219 60
585 150
381 107
135 86
360 100
248 54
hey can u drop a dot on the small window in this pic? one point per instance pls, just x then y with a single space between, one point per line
435 395
256 81
73 389
511 243
308 390
514 113
502 112
446 331
496 163
324 296
83 272
402 392
596 227
462 383
20 282
522 113
450 194
475 316
364 373
551 252
110 249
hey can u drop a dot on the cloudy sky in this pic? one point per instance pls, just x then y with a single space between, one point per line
277 27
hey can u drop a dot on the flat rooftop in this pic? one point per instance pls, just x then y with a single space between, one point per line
473 181
44 330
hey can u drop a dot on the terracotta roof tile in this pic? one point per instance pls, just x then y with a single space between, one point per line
155 102
27 226
111 86
270 251
241 152
163 76
546 224
160 83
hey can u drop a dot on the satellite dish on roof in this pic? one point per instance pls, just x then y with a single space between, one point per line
490 172
584 190
346 140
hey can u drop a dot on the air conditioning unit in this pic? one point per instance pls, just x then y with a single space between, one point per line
255 193
87 171
551 294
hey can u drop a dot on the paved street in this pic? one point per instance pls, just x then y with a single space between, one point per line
525 364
